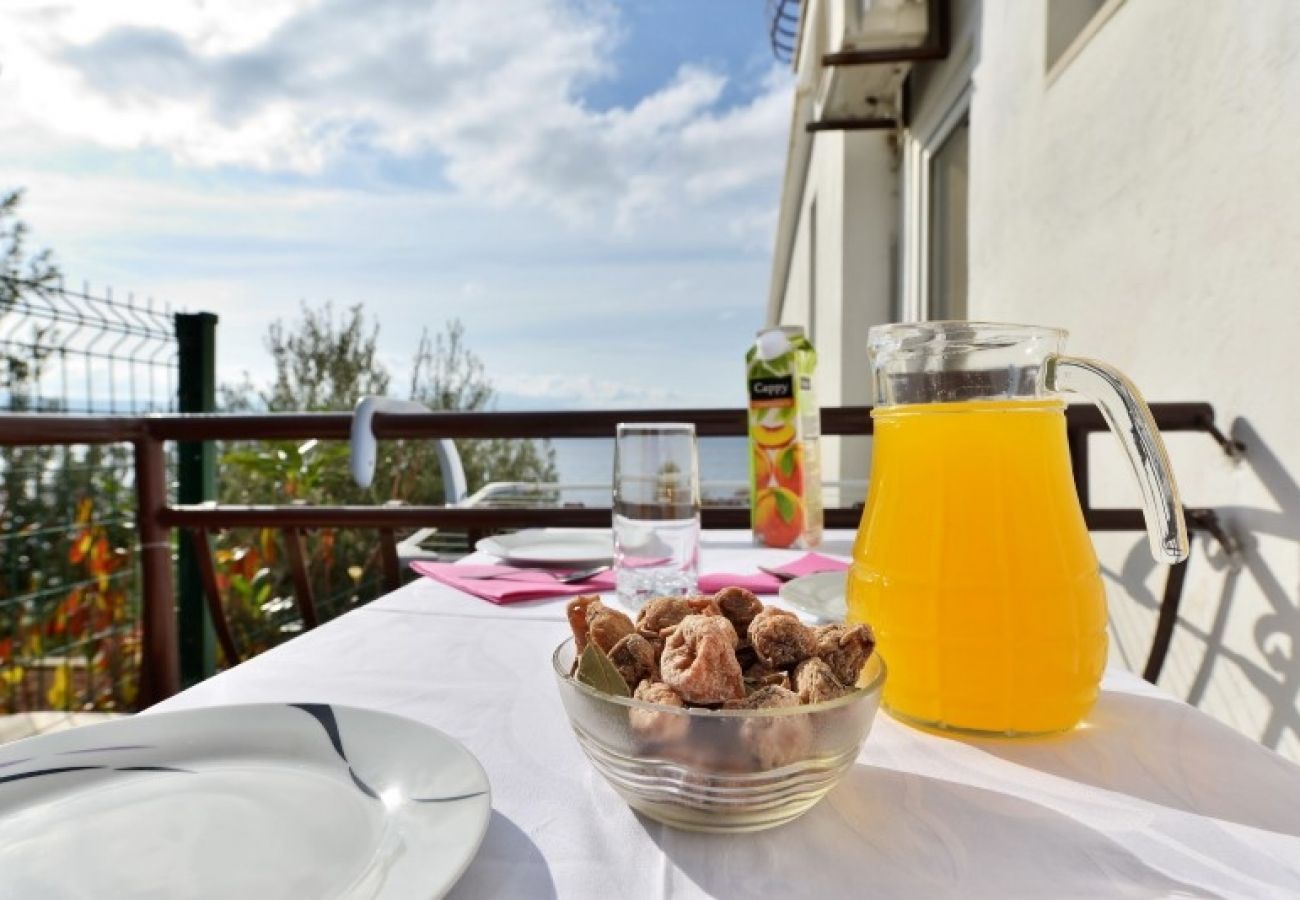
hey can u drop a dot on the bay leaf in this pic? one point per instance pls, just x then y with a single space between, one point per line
596 670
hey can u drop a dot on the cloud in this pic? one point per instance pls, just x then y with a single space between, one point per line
432 160
490 92
568 390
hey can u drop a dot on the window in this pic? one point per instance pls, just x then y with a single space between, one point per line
934 184
936 175
1070 25
949 176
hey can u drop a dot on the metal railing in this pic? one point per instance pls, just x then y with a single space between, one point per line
69 588
783 28
86 352
156 517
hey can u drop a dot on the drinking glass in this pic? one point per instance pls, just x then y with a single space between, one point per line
656 510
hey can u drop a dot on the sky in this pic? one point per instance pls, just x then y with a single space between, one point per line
590 186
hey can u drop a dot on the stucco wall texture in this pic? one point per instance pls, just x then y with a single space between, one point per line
1147 198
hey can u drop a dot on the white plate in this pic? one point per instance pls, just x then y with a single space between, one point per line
821 595
544 547
266 801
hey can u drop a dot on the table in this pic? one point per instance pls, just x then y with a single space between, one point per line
1149 797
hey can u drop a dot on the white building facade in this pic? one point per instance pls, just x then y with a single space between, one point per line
1127 170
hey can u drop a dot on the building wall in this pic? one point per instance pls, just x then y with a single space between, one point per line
869 280
851 193
1146 200
811 298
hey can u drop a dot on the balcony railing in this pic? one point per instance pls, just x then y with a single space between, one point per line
783 28
160 522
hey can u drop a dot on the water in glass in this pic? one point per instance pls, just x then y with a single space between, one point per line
656 511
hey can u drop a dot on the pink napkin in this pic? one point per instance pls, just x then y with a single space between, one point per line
811 564
763 583
517 585
523 584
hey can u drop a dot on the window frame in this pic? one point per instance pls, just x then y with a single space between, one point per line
920 143
1080 40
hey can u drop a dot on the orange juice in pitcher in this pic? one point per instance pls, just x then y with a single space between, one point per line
973 563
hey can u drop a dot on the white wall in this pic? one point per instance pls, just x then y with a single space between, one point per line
868 273
821 194
852 190
850 184
1147 200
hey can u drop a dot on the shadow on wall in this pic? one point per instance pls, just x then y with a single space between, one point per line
1272 666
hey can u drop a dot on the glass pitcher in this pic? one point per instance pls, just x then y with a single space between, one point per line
972 562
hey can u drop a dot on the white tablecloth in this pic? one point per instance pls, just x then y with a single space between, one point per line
1149 798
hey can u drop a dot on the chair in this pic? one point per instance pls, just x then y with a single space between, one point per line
364 450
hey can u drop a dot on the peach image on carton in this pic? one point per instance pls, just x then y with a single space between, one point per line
778 516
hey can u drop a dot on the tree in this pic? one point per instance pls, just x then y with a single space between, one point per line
21 272
66 568
328 361
324 363
448 375
324 366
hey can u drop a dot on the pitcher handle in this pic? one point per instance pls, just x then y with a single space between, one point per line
1128 416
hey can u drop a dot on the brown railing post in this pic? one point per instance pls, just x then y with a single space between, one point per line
389 563
160 675
1167 619
202 551
302 592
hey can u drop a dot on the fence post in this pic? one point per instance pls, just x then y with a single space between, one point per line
159 668
196 340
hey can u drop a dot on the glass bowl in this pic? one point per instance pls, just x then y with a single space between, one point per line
719 770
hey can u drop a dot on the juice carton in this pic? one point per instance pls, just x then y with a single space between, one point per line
785 479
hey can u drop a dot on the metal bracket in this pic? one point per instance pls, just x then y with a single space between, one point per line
1207 521
1235 449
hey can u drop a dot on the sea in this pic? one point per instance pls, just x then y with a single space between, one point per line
724 464
724 472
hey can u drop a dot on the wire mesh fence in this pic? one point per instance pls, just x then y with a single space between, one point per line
69 582
71 351
70 585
